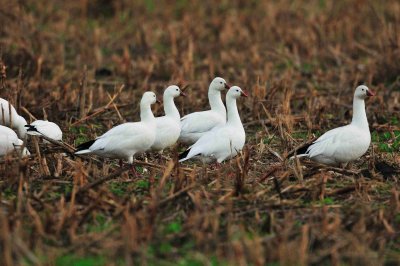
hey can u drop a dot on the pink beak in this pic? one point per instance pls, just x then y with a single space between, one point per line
244 94
370 93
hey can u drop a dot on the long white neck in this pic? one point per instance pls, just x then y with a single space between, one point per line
359 115
146 115
214 97
233 113
170 108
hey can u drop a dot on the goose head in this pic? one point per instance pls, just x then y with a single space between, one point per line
148 98
236 92
362 92
218 84
173 91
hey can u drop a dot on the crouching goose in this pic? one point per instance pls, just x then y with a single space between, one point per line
225 141
44 128
128 139
347 143
194 125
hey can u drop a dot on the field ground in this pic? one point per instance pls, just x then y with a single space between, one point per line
300 61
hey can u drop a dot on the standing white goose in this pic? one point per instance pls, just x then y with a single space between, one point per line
44 128
222 142
194 125
125 140
9 142
347 143
168 127
14 121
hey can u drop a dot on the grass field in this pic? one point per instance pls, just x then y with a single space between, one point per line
85 64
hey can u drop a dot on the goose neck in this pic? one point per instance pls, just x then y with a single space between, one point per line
214 97
359 115
233 113
170 108
146 115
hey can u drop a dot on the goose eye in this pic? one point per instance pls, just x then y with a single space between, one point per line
177 90
220 82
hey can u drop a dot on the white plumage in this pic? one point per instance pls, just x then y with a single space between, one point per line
225 141
9 142
14 120
125 140
194 125
168 127
348 143
44 128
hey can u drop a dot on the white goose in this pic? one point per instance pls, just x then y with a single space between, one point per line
44 128
168 127
125 140
222 142
14 121
194 125
9 142
347 143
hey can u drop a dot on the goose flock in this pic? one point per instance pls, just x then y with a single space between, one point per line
214 135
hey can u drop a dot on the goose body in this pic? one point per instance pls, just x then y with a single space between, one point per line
168 127
223 142
195 125
128 139
44 128
10 118
347 143
9 142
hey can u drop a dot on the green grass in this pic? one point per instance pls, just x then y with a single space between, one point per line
386 141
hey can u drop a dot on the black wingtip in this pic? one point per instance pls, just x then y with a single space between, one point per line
184 154
31 128
85 145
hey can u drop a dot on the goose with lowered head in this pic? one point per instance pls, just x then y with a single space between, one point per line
44 128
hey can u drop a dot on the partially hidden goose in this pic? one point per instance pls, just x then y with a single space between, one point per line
9 142
168 127
128 139
225 141
14 120
194 125
44 128
347 143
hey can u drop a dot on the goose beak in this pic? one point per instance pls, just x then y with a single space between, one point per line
370 93
183 94
227 86
244 94
158 101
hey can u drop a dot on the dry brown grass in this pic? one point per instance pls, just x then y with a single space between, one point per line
85 64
